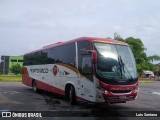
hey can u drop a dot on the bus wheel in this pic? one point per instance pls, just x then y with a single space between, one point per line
34 85
72 95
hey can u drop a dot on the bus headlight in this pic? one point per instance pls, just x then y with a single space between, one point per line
102 90
106 92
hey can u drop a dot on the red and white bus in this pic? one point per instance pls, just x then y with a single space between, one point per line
92 69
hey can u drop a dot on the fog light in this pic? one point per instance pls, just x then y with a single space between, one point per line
136 90
106 92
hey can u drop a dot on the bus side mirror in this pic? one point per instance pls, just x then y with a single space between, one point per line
94 56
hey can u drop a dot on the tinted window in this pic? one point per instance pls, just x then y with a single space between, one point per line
35 58
83 46
84 66
61 54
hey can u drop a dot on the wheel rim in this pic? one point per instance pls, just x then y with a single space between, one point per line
70 95
34 87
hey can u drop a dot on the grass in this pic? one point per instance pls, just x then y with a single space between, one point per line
18 78
146 81
10 78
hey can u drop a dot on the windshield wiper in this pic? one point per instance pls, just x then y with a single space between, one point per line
123 67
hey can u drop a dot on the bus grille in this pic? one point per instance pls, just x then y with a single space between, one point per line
128 91
117 98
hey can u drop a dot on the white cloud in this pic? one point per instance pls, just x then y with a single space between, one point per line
26 25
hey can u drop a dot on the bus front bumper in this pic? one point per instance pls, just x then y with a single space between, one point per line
119 97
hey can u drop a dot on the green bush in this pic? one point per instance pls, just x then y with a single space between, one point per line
16 68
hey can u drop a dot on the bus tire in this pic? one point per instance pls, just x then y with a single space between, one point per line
34 86
72 95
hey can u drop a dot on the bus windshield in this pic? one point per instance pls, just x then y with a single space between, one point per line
115 63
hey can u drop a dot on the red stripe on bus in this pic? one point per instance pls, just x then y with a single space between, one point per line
41 85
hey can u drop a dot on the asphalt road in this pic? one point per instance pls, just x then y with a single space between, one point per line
14 96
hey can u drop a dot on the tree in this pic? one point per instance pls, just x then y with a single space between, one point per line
138 50
143 62
118 37
154 58
16 68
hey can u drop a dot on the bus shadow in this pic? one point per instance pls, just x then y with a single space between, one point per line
52 98
82 108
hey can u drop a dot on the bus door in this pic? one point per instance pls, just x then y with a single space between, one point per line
86 79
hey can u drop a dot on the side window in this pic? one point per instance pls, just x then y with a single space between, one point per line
69 54
86 64
63 54
51 56
84 59
43 57
82 47
26 60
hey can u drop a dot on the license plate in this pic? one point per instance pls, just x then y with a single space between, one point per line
122 97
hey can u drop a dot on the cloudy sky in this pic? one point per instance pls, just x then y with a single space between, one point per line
26 25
